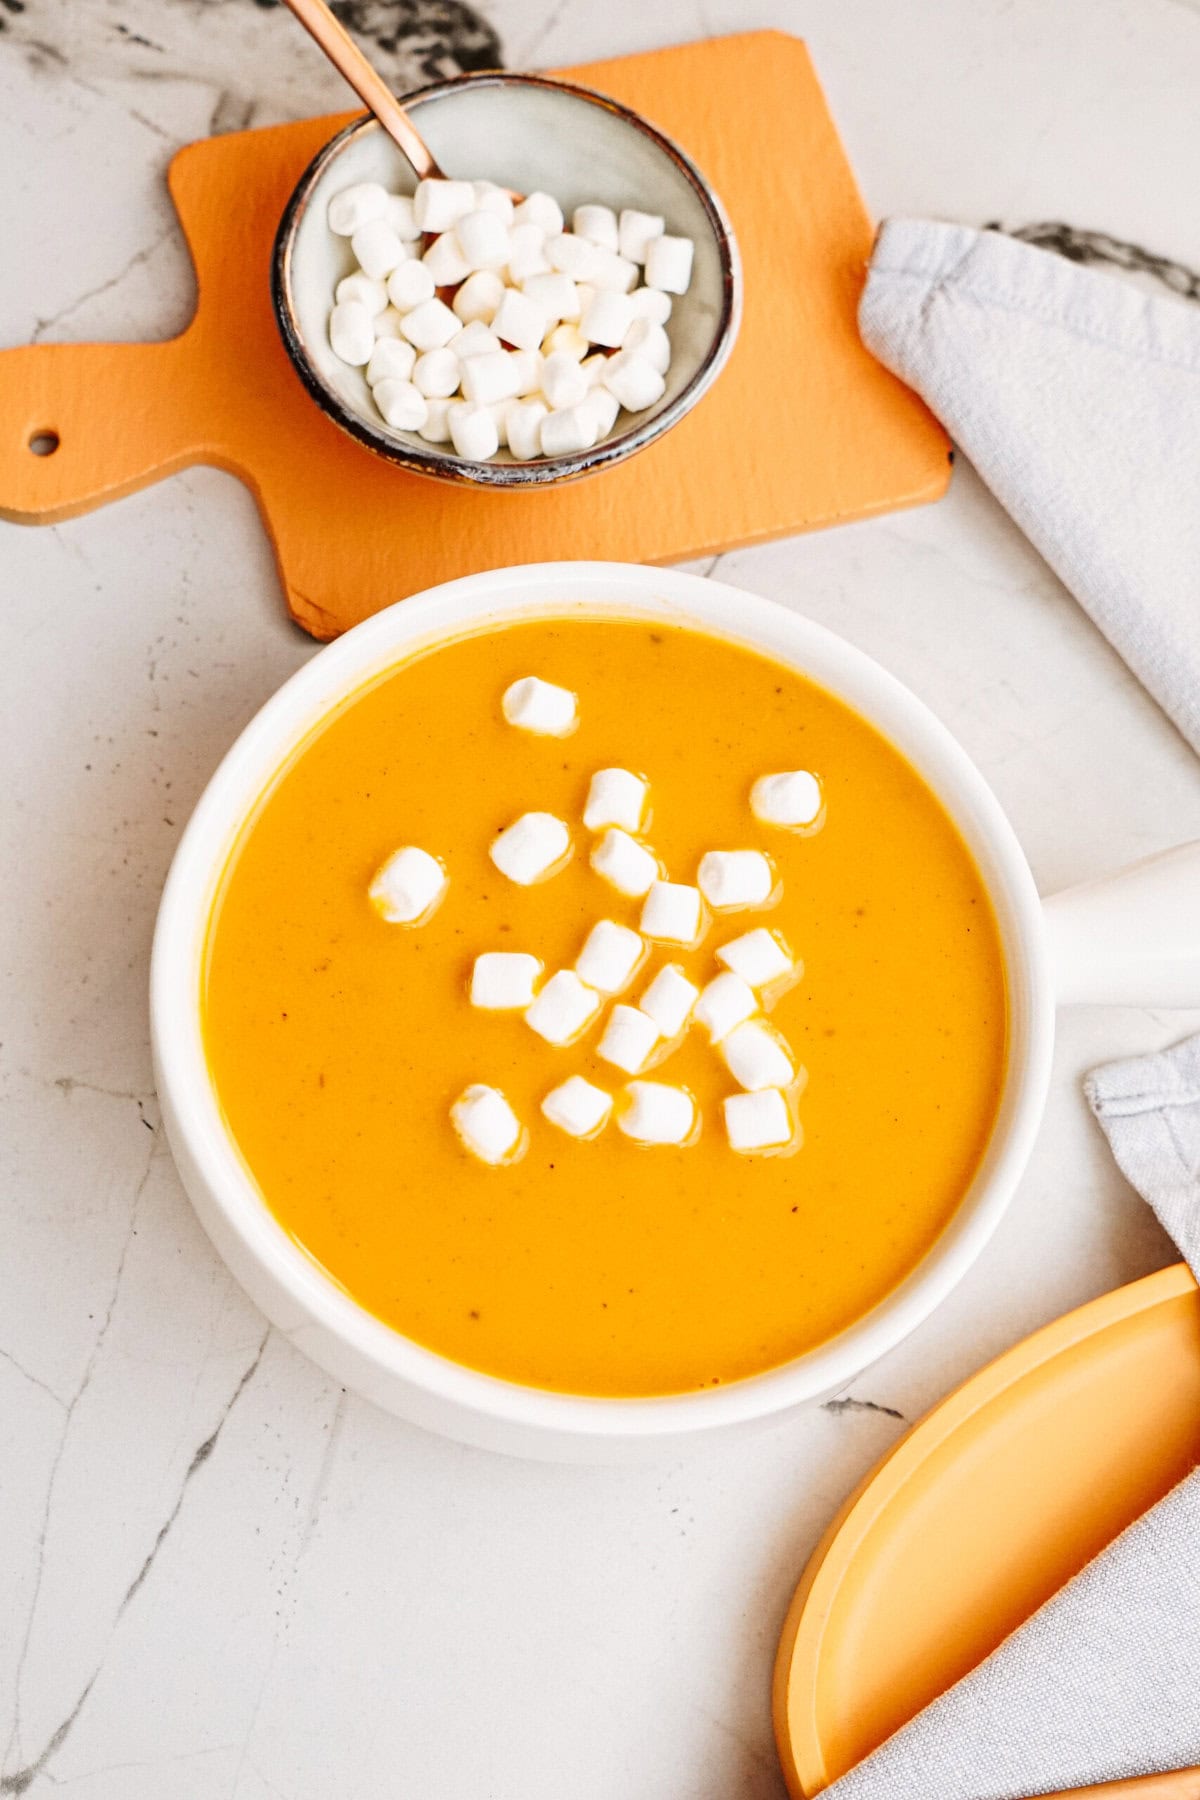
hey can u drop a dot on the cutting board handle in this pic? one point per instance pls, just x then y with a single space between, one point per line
85 423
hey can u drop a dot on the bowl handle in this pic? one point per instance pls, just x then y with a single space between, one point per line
1133 938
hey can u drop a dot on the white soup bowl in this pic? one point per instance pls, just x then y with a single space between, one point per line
1086 939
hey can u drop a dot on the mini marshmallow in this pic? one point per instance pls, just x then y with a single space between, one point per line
669 1000
478 297
499 412
473 431
445 260
574 256
436 429
792 800
541 210
475 339
566 340
636 231
653 1112
408 886
437 373
486 1124
757 1057
431 325
634 380
577 1107
595 367
587 293
437 205
371 294
401 402
483 239
392 360
724 1004
351 333
523 428
628 865
566 430
730 879
519 321
539 706
563 381
673 913
608 319
399 216
649 340
490 197
598 224
355 206
628 1039
388 323
610 958
377 248
490 377
616 797
759 957
503 980
529 372
600 410
526 253
555 294
535 846
669 264
651 303
613 274
564 1009
410 285
757 1121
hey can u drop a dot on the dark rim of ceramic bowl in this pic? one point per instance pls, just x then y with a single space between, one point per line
547 471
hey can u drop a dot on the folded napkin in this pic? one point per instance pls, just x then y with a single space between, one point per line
1104 1681
1149 1109
1077 398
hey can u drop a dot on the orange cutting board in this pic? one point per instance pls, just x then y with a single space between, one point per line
990 1504
803 428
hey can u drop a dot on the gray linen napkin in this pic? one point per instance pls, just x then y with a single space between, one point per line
1077 398
1104 1681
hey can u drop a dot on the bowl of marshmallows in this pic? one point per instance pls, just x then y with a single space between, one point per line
507 342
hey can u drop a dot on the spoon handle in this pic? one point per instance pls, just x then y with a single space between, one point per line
367 83
1175 1784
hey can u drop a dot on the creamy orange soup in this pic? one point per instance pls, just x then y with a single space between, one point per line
338 1043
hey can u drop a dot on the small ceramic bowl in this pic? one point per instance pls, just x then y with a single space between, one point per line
525 132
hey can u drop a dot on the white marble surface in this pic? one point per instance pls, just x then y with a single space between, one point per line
219 1575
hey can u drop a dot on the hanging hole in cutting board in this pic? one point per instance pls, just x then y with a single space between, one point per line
44 443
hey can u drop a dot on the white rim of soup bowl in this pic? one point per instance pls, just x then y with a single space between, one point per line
434 461
201 1140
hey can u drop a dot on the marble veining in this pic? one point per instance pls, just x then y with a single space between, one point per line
249 51
221 1577
1098 248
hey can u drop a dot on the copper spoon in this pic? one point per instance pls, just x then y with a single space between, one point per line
368 84
1175 1784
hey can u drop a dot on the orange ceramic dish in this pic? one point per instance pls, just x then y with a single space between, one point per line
337 1043
981 1513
